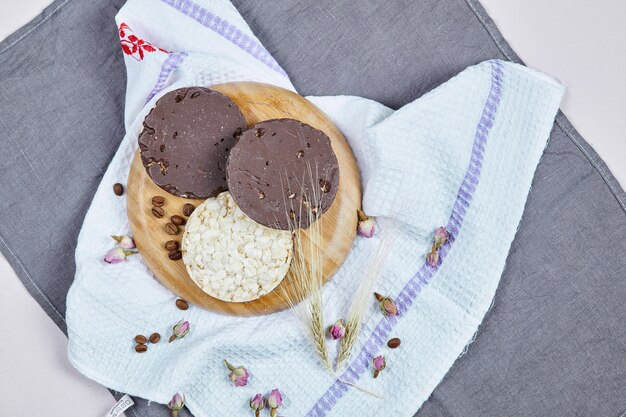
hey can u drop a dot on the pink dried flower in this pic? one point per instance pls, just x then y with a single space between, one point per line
366 226
274 400
337 330
256 403
441 236
432 258
379 364
239 375
125 242
117 255
387 305
180 330
176 403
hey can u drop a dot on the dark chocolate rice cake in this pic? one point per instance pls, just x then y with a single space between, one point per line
186 140
281 168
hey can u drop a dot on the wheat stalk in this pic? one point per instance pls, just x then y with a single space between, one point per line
309 281
304 296
363 297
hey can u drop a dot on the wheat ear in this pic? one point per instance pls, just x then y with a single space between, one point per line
363 296
305 294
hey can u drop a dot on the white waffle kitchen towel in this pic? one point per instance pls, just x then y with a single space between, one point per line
462 156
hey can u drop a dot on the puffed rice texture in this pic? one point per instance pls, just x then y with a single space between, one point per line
230 256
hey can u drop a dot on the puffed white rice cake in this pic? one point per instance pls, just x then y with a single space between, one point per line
230 256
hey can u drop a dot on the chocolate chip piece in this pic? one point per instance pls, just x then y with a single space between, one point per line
284 175
324 186
175 255
141 348
171 245
182 304
393 343
188 208
118 188
186 141
158 201
177 220
157 212
155 338
171 229
141 339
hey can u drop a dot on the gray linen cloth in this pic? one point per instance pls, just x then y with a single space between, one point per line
554 342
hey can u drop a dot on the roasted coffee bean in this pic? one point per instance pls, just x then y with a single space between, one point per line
174 255
188 209
155 338
177 220
171 245
393 343
158 212
182 304
171 229
158 201
141 339
140 348
118 188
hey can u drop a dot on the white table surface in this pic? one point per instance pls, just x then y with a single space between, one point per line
580 43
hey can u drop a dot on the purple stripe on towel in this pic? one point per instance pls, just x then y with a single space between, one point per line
172 62
361 363
226 30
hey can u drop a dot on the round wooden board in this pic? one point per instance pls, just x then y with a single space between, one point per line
258 102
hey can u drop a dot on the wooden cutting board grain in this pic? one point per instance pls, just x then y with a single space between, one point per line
258 102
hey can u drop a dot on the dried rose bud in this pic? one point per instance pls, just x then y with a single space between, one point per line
179 331
117 255
337 330
366 226
432 258
176 403
379 364
125 242
239 375
441 236
387 305
274 400
256 403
